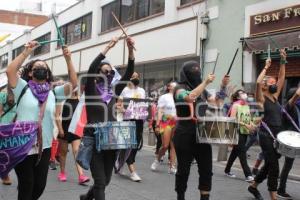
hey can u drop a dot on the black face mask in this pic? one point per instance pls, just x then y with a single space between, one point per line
135 81
40 73
273 89
191 74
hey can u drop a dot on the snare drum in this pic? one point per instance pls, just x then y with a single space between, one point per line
217 130
115 135
288 144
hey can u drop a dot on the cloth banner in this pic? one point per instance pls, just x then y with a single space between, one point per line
16 140
138 109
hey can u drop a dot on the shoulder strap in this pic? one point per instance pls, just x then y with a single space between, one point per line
22 94
9 109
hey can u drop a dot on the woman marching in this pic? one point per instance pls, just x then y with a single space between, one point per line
190 100
241 111
100 101
165 126
38 100
64 115
267 93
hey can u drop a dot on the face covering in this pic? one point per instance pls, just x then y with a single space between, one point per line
39 90
135 81
250 99
40 73
273 89
243 96
190 74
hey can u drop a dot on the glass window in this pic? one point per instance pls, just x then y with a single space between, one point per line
129 10
43 48
4 61
108 21
77 30
17 51
157 6
86 27
183 2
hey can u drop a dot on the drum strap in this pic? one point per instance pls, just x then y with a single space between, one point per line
290 118
267 129
298 114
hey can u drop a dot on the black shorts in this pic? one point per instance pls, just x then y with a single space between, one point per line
69 137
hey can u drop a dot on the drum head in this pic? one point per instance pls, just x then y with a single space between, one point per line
290 138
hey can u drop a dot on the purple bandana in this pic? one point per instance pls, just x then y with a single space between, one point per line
16 140
39 90
105 93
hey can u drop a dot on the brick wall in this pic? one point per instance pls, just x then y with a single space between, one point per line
26 19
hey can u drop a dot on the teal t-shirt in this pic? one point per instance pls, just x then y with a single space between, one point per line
28 109
10 115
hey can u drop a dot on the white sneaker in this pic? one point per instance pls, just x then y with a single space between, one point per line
135 177
172 170
122 172
249 179
231 175
154 165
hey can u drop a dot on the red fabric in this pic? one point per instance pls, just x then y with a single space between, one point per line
54 148
82 122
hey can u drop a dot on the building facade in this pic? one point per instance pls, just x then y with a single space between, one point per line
166 33
249 25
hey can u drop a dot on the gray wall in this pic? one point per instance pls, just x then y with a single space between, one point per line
224 34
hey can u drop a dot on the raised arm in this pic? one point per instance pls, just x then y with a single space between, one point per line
71 72
195 93
218 99
130 67
14 66
94 67
259 84
281 74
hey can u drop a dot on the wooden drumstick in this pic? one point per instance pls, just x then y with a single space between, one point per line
120 25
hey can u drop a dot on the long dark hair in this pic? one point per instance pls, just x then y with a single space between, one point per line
28 68
235 95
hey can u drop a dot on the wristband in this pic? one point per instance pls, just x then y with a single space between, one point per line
283 62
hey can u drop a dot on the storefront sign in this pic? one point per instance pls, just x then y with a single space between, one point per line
278 20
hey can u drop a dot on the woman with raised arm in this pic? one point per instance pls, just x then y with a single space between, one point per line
37 99
267 93
191 99
100 102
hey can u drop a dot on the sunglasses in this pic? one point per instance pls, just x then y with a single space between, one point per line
108 72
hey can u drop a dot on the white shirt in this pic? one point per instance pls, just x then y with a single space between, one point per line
166 103
137 93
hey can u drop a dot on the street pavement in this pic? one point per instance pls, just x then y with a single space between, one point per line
154 186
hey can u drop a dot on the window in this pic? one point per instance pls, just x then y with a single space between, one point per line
183 2
17 51
3 61
43 48
129 10
77 30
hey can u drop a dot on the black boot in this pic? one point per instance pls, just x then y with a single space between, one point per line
88 196
180 196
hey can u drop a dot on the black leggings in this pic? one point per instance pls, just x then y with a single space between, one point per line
186 151
288 164
102 165
270 169
239 151
139 135
32 178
